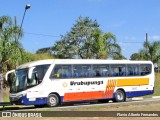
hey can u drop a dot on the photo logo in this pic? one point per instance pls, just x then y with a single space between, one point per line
6 114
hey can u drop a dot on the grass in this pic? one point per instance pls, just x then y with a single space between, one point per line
156 86
6 95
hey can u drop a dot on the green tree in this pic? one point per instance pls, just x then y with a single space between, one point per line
135 56
44 50
86 41
77 42
63 49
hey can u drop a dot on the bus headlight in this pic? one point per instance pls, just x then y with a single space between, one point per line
20 96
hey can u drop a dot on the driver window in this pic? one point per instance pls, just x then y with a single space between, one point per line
38 74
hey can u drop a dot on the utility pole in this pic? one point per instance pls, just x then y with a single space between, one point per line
15 20
147 45
15 23
146 41
0 25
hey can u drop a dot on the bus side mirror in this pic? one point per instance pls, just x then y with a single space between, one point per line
30 72
9 72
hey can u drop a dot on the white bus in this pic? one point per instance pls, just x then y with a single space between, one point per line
56 81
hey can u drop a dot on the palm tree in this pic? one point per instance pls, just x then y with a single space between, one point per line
11 50
153 51
105 45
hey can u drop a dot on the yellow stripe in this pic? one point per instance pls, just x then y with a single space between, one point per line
133 82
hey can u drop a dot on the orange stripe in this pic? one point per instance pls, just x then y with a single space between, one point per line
83 95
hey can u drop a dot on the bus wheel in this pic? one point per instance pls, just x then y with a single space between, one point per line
120 96
53 100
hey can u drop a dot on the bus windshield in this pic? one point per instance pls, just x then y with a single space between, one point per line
19 81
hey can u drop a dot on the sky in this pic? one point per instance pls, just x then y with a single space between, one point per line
46 20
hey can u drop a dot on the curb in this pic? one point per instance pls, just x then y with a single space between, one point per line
155 96
141 98
138 98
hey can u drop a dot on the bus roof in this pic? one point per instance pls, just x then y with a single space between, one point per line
35 63
80 61
96 61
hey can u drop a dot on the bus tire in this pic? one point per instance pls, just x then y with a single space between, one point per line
120 96
53 100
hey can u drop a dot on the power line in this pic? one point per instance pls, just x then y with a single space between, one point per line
39 34
129 42
47 35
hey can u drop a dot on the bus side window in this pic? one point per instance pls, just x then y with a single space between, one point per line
118 70
76 71
61 71
81 71
122 70
114 71
132 70
100 70
145 69
85 70
96 71
67 71
56 72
